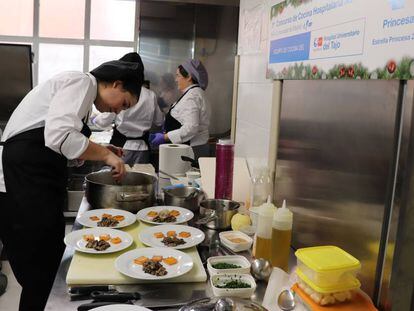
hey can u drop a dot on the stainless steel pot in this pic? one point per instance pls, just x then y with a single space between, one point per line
187 197
135 192
217 214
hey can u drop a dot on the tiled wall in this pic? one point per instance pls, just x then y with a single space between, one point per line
255 117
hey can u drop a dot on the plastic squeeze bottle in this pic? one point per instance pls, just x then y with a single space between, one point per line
281 237
264 230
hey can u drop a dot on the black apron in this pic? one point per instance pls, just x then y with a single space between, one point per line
172 123
118 139
36 180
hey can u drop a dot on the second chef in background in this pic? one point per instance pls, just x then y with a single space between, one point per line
188 119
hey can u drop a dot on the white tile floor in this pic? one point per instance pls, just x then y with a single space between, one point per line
9 301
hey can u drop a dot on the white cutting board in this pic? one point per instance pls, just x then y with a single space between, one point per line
241 178
91 269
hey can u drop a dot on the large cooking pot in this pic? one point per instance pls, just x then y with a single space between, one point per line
217 214
135 192
187 197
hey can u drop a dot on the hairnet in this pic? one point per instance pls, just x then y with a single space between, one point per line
197 70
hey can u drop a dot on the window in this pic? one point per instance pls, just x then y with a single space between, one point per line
112 20
55 58
16 17
101 54
62 19
59 34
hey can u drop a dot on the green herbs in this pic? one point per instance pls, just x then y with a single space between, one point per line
225 265
234 284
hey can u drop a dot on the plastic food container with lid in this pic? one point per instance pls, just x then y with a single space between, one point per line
327 266
237 241
235 260
221 279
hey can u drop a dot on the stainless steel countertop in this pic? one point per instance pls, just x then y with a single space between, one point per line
151 294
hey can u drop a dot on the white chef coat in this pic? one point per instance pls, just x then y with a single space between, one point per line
134 121
58 104
193 112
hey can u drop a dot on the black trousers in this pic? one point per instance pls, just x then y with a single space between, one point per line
33 225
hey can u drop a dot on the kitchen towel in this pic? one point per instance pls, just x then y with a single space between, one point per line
170 159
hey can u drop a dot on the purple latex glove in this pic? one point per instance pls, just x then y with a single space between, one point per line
156 139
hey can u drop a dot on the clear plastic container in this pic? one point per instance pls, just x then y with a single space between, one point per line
235 240
327 266
221 279
235 260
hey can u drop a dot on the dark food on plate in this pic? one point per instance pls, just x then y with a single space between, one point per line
166 216
234 284
108 222
100 245
172 241
154 268
225 265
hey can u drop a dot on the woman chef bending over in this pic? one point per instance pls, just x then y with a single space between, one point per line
188 119
47 129
132 126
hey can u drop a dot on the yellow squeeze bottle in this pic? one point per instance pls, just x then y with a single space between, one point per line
281 237
264 231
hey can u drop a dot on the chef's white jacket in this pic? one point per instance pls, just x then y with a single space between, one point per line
134 121
59 105
193 112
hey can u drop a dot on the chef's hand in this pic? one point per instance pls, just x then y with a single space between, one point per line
118 151
117 164
157 139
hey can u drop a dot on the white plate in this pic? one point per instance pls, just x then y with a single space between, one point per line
121 308
125 263
185 214
87 222
75 239
147 237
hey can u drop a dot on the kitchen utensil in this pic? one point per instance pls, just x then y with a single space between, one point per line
185 214
217 213
194 163
187 197
125 263
135 192
148 237
261 269
87 290
114 296
169 175
85 218
76 240
210 303
286 300
224 304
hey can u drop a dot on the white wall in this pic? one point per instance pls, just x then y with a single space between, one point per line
258 98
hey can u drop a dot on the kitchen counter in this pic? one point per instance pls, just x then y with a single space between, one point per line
151 294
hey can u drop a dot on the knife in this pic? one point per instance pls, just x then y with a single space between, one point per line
87 290
114 296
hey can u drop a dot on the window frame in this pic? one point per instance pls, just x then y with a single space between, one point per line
86 42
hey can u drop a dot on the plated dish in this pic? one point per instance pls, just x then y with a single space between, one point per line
111 218
154 263
172 236
98 240
161 215
120 307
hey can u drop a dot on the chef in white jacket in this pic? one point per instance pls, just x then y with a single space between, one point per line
188 119
132 126
47 129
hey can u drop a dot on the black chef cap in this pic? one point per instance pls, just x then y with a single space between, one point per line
130 73
134 57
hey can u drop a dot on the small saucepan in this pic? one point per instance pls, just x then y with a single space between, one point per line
217 214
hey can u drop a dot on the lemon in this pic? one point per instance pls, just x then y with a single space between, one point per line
239 220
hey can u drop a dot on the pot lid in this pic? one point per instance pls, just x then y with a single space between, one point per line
209 304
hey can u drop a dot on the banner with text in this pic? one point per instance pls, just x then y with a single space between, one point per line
341 39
